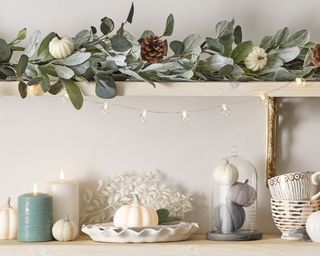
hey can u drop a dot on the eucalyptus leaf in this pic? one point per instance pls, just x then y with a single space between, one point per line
283 35
75 59
107 26
74 93
165 219
237 72
64 72
5 52
215 45
266 42
32 44
192 47
130 15
226 70
287 54
308 58
56 88
227 43
45 82
283 74
105 86
6 72
241 51
296 39
81 68
22 65
120 43
23 89
273 64
237 35
177 47
22 34
169 26
224 29
49 70
82 38
43 50
34 81
216 62
147 33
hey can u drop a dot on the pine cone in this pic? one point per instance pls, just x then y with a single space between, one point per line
316 55
153 49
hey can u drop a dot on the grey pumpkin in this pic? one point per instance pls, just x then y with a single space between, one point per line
229 217
243 194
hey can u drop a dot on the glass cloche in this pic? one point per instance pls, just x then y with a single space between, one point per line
234 200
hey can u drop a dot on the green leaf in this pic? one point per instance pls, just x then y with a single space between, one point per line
32 44
75 59
169 26
165 219
147 33
34 81
266 42
130 15
82 38
5 52
74 93
177 47
93 30
22 34
226 70
120 43
283 75
287 54
106 26
22 65
15 48
43 51
283 35
192 43
241 51
224 29
237 35
227 43
56 88
6 72
308 58
44 83
105 86
216 62
23 89
273 64
296 39
215 45
64 72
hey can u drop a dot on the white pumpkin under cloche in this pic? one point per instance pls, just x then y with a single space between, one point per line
313 226
65 230
8 222
226 173
61 47
257 59
136 214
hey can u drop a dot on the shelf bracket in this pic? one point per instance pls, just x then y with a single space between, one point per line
272 124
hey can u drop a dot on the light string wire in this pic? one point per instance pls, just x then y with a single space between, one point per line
300 82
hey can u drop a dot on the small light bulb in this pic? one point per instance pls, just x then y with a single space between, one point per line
105 108
35 188
264 99
225 110
185 118
301 82
61 176
144 116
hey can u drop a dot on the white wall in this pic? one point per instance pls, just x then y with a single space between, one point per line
39 136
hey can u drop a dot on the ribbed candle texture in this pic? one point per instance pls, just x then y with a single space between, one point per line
35 217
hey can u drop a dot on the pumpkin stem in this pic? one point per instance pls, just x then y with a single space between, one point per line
246 181
135 198
8 201
67 218
59 37
225 161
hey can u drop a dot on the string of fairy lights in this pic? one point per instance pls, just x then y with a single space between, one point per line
184 114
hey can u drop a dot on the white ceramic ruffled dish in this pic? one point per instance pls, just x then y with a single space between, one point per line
106 232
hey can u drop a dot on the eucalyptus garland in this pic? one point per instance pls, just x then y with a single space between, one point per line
58 63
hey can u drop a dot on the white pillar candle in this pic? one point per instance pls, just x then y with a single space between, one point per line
65 196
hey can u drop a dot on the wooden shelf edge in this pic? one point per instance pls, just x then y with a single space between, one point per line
224 89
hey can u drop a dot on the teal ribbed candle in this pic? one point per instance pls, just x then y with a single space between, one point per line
35 217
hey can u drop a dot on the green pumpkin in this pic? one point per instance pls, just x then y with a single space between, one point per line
242 194
229 217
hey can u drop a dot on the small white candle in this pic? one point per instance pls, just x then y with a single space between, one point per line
65 199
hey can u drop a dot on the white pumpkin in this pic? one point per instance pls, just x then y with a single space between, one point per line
8 222
313 226
226 173
65 230
135 215
60 48
257 59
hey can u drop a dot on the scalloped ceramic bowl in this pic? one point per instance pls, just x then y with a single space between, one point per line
107 233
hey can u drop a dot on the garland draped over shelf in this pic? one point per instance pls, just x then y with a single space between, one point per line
56 63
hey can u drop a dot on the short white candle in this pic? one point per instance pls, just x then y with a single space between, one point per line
65 196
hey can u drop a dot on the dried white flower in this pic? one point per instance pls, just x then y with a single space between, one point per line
112 193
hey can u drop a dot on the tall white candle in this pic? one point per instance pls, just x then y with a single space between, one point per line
65 196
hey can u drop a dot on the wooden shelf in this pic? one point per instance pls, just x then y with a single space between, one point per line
269 245
288 89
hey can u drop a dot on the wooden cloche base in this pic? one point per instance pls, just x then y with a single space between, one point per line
240 235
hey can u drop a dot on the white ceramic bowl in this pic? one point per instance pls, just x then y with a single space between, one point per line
291 186
288 215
